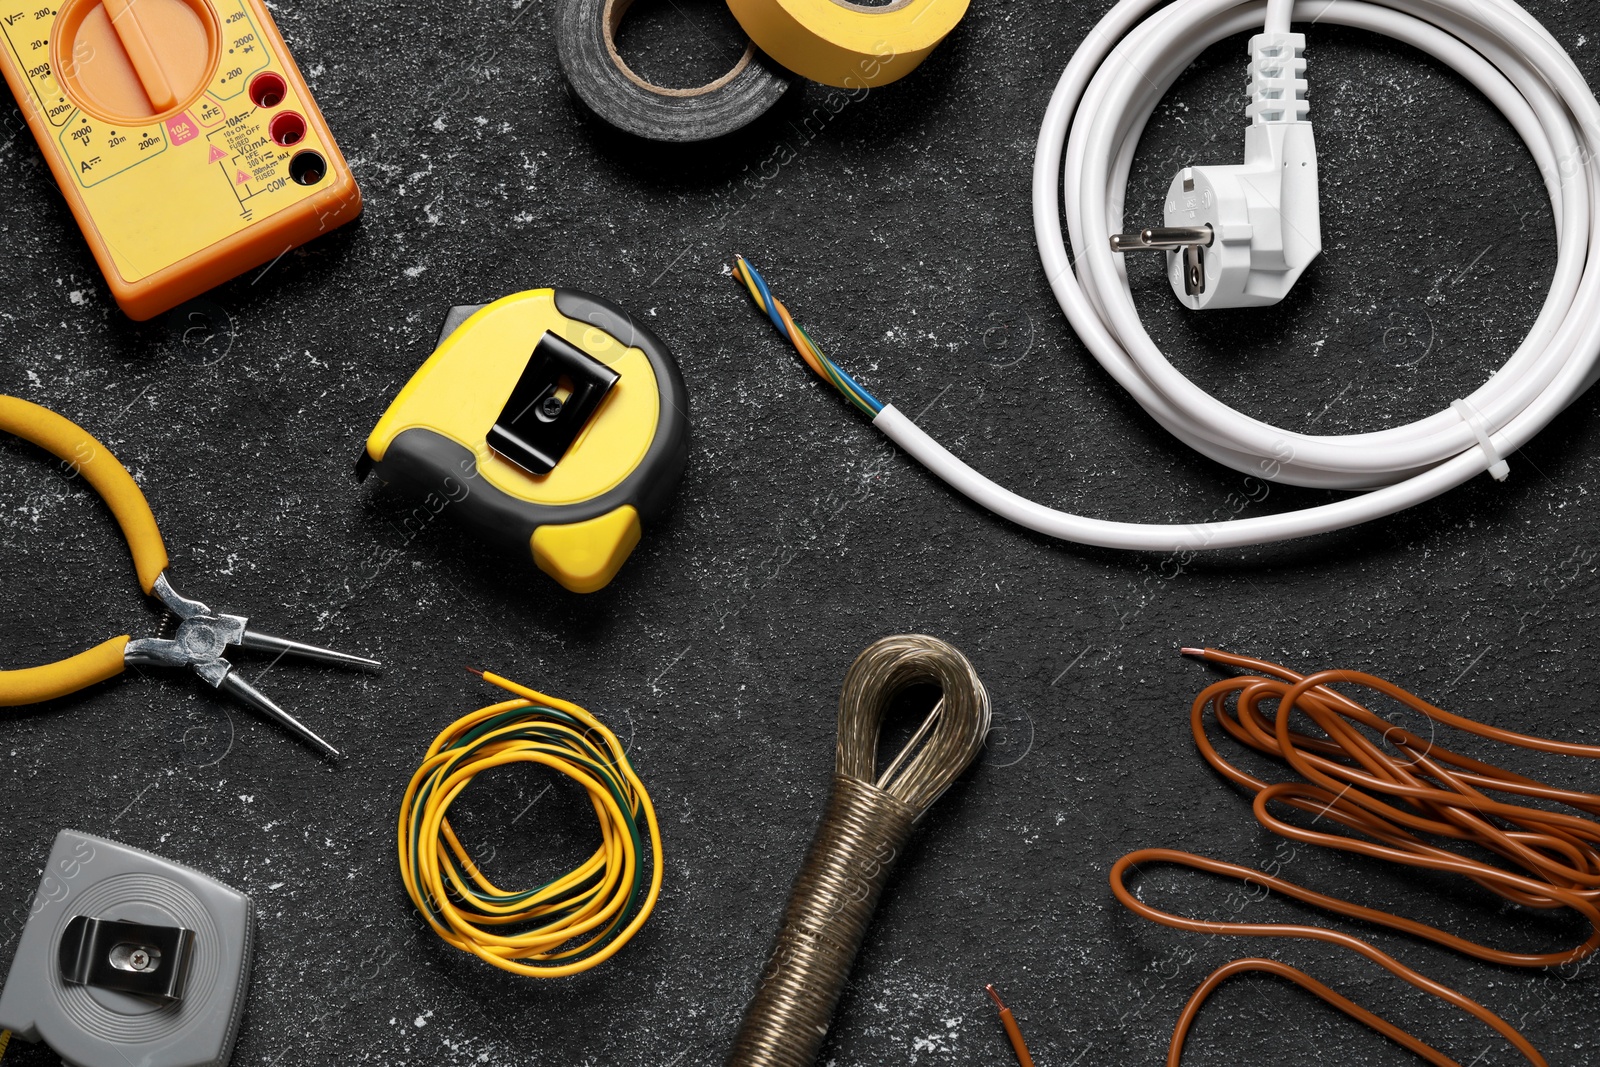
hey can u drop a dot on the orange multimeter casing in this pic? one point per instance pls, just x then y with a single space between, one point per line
181 134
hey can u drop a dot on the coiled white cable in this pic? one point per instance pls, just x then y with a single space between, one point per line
1105 98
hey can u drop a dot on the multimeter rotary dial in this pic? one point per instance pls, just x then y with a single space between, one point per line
135 61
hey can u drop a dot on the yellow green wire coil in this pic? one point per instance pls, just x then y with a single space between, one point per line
568 925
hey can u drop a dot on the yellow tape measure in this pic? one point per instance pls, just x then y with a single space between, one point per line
550 422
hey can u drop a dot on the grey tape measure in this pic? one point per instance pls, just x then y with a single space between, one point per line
129 959
586 45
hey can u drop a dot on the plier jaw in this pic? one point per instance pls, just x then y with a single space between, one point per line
200 636
199 640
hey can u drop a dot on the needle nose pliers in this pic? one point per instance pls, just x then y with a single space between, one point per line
199 637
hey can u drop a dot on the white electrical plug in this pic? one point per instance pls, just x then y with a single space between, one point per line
1240 236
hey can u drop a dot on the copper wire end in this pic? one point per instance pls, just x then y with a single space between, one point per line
1013 1031
474 670
1192 652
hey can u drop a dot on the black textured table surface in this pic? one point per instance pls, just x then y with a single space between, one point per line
898 228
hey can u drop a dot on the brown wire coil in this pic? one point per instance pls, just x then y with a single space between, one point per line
1397 796
868 820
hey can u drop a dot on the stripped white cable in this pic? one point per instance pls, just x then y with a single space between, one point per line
1086 148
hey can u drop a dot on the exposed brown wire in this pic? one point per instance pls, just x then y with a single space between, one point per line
868 820
1405 799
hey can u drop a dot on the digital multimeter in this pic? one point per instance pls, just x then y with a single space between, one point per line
550 421
181 134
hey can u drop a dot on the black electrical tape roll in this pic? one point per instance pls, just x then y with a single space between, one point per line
586 44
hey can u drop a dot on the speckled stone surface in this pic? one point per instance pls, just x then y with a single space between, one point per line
898 228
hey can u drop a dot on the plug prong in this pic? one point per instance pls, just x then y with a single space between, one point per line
1194 270
1186 239
1130 242
1177 238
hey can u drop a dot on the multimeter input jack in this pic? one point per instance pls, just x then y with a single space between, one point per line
268 90
288 129
307 168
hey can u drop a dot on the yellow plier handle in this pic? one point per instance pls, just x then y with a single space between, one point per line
87 457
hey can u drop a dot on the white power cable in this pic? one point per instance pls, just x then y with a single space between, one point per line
1086 148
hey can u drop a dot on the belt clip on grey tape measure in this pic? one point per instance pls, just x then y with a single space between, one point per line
586 44
130 960
549 421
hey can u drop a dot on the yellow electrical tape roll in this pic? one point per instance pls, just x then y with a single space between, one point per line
848 45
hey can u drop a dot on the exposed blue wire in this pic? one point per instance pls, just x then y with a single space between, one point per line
768 304
871 401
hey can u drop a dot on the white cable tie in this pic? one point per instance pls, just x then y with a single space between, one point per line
1499 469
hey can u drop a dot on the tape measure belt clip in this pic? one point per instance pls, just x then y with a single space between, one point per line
140 959
558 394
